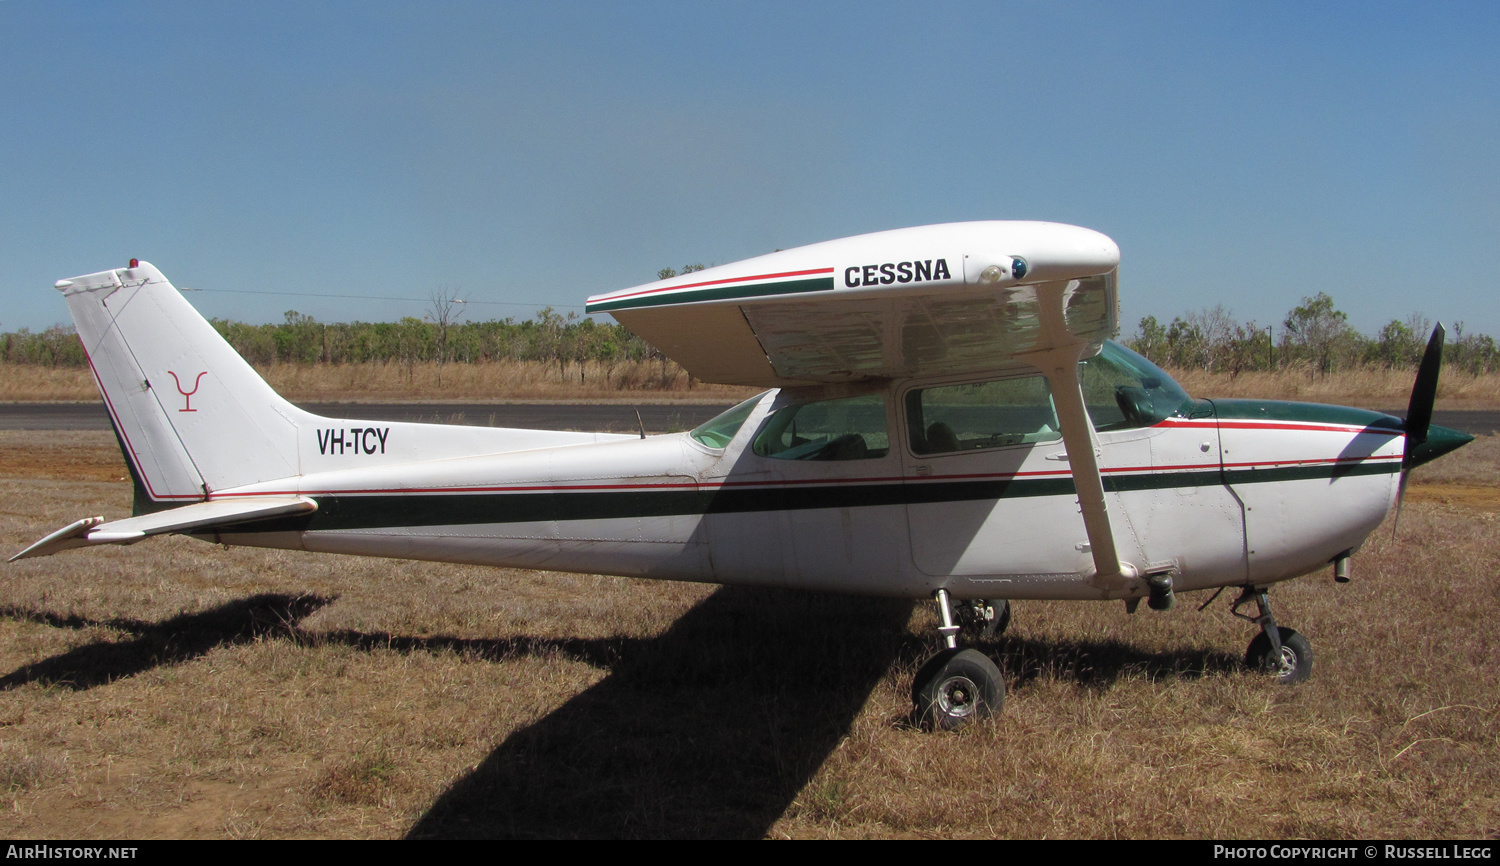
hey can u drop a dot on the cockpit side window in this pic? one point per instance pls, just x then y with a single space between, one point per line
954 418
848 428
1121 389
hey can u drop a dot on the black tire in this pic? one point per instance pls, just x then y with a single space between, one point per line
1001 622
956 687
1296 657
969 619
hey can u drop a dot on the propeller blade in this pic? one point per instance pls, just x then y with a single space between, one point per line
1400 500
1419 413
1423 395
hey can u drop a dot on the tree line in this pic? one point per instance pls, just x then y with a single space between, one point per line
550 337
1315 337
301 339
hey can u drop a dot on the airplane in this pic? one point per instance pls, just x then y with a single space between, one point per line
944 417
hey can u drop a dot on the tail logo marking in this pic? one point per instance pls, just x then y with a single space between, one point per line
187 396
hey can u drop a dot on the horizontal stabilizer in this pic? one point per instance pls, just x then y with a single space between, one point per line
189 518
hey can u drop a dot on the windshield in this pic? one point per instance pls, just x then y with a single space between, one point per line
1124 390
718 431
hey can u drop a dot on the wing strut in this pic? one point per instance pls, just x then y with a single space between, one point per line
1059 363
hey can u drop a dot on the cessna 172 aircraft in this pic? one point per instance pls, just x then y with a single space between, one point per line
945 418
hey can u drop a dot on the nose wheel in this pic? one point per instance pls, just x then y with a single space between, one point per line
1277 651
1290 664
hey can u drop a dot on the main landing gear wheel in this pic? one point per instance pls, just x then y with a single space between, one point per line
1295 664
956 687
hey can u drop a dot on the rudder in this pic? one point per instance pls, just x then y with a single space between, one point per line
192 416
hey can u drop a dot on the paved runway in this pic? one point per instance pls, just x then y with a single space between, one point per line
607 418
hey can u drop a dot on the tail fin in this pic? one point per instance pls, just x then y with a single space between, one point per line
191 415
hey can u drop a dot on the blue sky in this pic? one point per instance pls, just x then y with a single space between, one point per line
528 154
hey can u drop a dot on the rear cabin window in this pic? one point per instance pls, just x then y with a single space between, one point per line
848 428
954 418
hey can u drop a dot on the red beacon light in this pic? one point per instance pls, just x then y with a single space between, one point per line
135 263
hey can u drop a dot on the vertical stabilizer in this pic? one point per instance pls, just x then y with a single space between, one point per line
191 415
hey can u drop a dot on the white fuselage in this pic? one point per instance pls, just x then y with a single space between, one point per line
1213 501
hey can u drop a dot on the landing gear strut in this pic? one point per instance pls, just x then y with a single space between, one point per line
1278 651
956 686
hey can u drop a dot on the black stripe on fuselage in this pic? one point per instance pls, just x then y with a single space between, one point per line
373 511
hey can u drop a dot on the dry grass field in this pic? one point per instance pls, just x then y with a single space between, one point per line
177 689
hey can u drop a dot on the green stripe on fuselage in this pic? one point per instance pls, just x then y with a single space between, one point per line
719 293
355 512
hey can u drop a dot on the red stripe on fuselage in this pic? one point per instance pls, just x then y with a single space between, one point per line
1280 425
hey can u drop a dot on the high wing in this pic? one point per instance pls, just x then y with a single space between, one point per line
941 299
938 299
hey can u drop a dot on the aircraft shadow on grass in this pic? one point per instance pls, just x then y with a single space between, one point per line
156 644
711 730
1099 664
